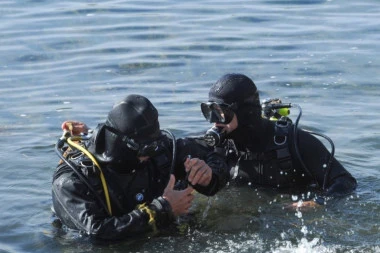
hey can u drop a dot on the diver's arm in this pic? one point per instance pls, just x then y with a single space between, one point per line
339 181
331 177
339 186
213 160
78 208
220 174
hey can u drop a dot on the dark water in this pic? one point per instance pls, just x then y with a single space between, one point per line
73 59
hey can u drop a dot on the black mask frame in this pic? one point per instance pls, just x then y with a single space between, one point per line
223 113
218 113
144 148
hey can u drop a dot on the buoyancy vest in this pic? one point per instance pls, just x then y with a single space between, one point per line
274 167
142 184
127 189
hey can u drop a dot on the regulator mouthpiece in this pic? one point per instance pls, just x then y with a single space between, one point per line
214 136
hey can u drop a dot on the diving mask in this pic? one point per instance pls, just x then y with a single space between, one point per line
150 147
217 113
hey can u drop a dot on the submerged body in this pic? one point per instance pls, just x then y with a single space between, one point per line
113 187
266 153
130 188
265 162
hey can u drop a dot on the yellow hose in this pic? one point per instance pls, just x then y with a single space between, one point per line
71 142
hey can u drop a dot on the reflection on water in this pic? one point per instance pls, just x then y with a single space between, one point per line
72 60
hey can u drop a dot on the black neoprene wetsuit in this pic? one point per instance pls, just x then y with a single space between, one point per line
135 191
264 163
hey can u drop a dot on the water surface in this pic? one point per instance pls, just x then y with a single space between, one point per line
72 60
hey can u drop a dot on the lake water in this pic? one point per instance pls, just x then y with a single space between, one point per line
65 60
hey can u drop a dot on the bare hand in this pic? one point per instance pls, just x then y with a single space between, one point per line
199 172
74 127
180 201
304 205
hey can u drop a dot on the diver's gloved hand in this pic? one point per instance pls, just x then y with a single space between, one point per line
180 201
74 127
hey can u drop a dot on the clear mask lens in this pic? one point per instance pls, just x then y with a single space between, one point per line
217 113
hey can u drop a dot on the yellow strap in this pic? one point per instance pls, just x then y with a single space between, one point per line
71 142
151 214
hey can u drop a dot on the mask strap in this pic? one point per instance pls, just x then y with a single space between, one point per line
128 141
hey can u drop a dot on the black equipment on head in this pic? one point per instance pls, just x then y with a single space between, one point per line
218 113
236 92
144 148
136 117
234 88
134 121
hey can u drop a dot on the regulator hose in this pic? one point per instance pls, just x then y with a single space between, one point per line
328 166
174 142
71 142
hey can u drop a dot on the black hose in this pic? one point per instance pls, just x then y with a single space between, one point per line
174 141
328 170
295 135
328 166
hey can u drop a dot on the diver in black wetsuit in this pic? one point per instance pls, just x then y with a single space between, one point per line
266 153
120 181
